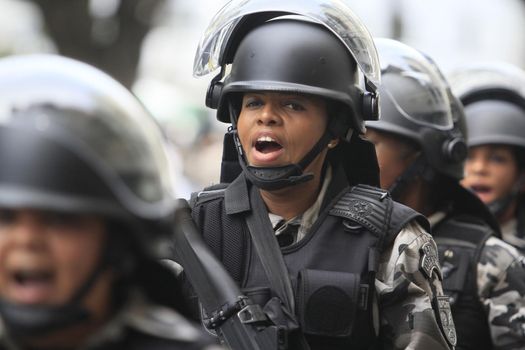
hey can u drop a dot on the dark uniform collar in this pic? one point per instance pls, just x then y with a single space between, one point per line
236 196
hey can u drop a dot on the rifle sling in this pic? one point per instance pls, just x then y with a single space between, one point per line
270 255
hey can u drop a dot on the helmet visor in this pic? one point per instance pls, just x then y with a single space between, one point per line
76 105
415 85
335 15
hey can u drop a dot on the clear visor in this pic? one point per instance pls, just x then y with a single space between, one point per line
486 76
415 85
68 99
333 14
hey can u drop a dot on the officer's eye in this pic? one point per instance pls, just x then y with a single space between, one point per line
252 102
498 158
294 105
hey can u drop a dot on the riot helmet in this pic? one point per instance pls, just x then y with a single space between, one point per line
74 140
493 95
313 48
417 104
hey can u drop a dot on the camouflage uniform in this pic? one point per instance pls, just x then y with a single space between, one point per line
501 286
408 299
501 290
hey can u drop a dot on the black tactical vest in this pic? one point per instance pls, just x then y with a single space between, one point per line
332 269
460 240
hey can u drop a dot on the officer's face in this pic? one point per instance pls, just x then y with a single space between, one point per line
393 156
46 256
279 129
491 171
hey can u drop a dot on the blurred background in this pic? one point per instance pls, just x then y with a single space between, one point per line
149 46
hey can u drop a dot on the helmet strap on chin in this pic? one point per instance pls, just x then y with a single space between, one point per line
274 178
29 321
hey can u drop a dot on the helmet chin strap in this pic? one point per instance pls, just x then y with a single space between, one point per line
31 321
275 178
498 206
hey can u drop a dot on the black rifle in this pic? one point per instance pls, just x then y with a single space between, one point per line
239 323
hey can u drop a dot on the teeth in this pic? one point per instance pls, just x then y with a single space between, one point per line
265 139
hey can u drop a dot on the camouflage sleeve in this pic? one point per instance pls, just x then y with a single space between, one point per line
501 287
414 313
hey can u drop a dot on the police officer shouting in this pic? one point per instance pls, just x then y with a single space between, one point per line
337 263
421 151
85 193
494 99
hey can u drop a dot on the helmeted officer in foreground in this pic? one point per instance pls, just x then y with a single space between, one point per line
494 98
338 264
85 199
421 151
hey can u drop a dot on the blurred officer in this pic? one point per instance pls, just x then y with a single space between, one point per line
421 151
85 196
338 264
494 99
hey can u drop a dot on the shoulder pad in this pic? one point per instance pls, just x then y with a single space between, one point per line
374 209
366 205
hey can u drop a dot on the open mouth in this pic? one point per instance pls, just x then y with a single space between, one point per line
267 145
481 189
31 286
485 193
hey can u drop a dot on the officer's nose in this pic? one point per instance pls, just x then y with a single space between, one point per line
476 166
269 115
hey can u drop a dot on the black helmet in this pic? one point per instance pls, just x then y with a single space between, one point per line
493 95
293 46
417 104
72 139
